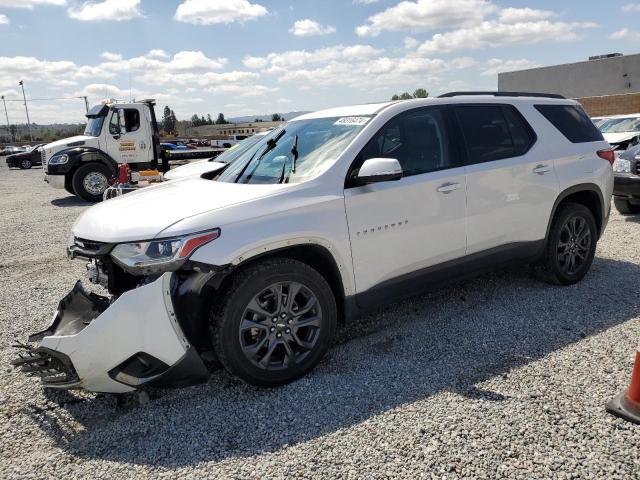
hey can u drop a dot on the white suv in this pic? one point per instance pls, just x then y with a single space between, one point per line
334 213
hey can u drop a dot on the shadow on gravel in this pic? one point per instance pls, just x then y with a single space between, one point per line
446 341
71 201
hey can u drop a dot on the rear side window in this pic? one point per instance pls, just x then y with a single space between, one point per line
493 132
572 122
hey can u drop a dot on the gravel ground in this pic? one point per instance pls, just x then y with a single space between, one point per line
499 377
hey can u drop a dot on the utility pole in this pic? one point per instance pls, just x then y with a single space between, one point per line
21 83
7 115
86 103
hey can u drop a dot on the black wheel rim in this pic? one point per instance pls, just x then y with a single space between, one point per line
26 164
574 245
280 326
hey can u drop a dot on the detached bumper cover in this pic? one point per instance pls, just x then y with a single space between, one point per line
135 341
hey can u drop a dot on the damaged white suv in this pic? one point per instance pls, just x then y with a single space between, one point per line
334 213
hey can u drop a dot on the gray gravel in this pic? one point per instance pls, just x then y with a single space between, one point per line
499 377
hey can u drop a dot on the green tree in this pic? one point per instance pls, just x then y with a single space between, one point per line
420 93
276 117
395 97
209 121
221 120
405 96
168 120
195 120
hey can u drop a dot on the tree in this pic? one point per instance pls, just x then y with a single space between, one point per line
209 121
195 120
276 117
221 120
173 122
405 96
420 93
395 97
168 120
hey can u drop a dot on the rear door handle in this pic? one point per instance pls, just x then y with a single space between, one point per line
541 169
448 187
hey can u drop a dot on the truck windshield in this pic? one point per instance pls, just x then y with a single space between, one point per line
299 151
94 126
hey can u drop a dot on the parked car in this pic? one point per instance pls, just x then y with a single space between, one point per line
622 131
626 188
11 150
215 164
337 212
598 121
26 159
172 146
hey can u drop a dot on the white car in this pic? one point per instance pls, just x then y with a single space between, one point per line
621 131
213 165
337 212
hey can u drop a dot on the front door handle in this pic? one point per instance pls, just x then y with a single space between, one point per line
448 187
541 169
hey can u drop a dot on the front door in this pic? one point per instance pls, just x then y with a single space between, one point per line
399 229
126 136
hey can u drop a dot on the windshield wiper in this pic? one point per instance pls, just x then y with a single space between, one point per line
294 158
271 143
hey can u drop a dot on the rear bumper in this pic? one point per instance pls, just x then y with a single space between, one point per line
114 347
626 185
56 181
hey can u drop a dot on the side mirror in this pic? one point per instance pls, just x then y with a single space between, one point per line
377 170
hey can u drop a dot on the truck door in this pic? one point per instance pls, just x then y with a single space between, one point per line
127 139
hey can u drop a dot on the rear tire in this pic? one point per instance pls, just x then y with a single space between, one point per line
25 164
274 322
571 245
624 207
90 181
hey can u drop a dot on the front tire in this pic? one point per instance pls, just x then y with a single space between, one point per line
25 164
274 322
571 245
90 181
625 207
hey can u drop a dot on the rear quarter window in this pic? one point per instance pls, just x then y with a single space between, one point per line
572 122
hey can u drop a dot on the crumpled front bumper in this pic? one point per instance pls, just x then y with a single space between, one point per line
114 347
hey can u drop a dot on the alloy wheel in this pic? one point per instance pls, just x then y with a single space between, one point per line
95 183
280 326
574 244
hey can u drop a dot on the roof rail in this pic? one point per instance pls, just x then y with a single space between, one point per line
502 94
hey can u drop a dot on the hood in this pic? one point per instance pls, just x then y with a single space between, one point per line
144 214
28 153
615 138
194 169
64 143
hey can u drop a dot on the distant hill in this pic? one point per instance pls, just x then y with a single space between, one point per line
266 118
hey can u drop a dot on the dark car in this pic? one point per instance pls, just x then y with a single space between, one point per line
626 186
25 160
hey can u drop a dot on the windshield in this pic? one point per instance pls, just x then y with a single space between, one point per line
238 149
297 152
94 126
621 125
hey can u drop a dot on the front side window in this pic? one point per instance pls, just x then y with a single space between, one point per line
114 123
297 152
417 139
493 132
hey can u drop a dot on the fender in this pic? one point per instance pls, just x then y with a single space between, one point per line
79 155
579 188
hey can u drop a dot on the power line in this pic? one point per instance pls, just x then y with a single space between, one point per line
45 99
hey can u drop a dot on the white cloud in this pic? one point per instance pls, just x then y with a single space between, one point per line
310 28
107 10
29 4
631 7
110 56
210 12
496 34
495 66
4 20
517 15
157 53
625 34
410 42
365 2
425 15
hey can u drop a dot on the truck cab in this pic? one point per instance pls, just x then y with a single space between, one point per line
116 133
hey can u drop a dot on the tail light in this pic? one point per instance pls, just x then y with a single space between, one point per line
608 154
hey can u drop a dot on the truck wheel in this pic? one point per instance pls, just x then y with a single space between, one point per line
571 245
625 207
90 181
274 322
25 164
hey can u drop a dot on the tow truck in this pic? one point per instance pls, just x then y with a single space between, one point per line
116 133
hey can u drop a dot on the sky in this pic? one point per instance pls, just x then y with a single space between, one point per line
249 57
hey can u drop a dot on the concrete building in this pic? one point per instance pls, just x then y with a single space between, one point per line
223 131
605 85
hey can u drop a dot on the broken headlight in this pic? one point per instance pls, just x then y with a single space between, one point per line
621 165
162 255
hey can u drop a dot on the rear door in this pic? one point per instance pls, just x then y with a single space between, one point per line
400 228
510 188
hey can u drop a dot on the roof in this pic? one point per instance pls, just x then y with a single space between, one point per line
366 109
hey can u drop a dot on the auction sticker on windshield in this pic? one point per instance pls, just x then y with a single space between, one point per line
352 121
